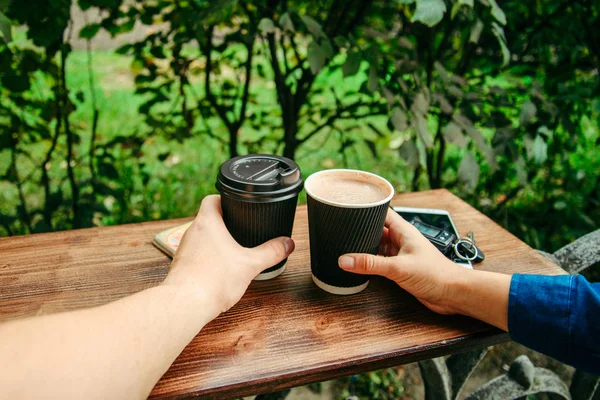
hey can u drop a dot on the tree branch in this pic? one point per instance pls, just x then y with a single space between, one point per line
246 93
282 89
208 71
338 114
285 60
441 152
69 134
299 60
544 23
95 112
24 211
46 163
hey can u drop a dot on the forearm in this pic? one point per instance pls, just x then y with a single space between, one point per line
482 295
118 350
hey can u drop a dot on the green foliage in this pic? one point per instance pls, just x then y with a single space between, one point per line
497 102
384 384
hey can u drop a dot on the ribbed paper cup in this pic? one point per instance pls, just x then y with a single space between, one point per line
252 224
259 194
340 228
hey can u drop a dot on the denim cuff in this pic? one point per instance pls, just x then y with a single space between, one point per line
539 313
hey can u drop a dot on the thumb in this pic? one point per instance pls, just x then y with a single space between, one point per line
270 253
367 264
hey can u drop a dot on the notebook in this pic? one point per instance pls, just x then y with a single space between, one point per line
168 240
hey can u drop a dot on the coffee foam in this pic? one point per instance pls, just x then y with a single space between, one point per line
348 187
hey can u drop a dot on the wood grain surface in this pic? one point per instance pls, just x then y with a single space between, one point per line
284 332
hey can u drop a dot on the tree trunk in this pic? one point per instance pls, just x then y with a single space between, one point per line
233 139
289 138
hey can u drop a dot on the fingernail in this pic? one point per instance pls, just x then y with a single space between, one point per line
288 244
346 262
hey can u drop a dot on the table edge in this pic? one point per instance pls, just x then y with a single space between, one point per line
319 373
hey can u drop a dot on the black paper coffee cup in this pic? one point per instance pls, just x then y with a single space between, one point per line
340 227
259 194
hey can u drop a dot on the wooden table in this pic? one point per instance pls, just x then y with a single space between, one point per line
284 332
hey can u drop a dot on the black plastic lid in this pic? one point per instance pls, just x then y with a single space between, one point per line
259 178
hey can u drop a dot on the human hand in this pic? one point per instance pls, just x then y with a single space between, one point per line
410 260
210 259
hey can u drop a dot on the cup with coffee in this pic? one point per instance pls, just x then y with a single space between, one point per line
346 214
259 194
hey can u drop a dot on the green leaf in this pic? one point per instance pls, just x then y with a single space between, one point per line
316 57
441 71
420 104
463 121
85 4
521 169
126 48
528 145
373 82
468 171
454 134
266 25
498 31
444 104
429 12
540 150
375 378
389 96
16 83
543 130
457 6
327 48
409 153
127 26
528 111
4 4
497 12
398 119
5 141
285 21
5 28
483 146
89 31
313 26
454 91
405 43
352 64
476 31
419 123
372 148
560 205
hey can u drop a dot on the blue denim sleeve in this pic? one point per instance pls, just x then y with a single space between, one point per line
558 316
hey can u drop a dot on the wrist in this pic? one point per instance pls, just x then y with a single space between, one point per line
460 285
198 300
482 295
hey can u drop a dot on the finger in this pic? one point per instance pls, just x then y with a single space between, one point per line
392 217
210 208
270 253
400 229
367 264
384 242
